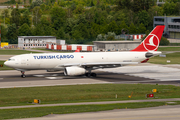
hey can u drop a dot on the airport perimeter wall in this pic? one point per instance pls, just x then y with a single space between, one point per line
88 48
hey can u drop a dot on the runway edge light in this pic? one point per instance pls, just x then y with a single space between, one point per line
154 90
149 95
37 101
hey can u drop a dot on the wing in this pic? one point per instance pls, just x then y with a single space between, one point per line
99 65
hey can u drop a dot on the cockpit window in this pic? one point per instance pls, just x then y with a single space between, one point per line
11 59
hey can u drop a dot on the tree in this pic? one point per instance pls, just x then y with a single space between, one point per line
37 30
43 7
141 29
79 9
67 37
76 36
15 17
12 34
69 13
12 1
36 3
58 17
132 29
99 37
30 1
112 27
52 1
26 18
44 28
24 2
3 33
60 34
89 15
154 11
37 15
123 27
82 28
92 3
170 8
122 4
61 3
143 17
111 36
19 2
5 13
24 30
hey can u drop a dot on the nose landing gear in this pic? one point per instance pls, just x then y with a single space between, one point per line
23 75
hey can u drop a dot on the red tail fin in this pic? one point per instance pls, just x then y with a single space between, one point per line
151 42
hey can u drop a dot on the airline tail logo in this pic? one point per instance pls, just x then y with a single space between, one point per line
151 43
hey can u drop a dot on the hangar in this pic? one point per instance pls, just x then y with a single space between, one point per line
115 45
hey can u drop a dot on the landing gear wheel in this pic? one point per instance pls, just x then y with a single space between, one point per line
93 74
23 75
88 74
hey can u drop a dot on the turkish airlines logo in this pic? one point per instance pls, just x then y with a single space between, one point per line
151 43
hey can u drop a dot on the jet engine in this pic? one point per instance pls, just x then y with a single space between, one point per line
148 55
74 70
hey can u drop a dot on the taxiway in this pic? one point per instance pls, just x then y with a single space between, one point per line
146 73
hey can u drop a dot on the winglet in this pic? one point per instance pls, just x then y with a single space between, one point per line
77 50
151 42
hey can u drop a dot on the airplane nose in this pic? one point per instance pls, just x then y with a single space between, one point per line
6 63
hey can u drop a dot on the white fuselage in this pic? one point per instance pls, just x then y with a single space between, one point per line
56 61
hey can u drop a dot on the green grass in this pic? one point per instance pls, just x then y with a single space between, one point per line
42 111
4 67
15 52
84 93
173 57
169 49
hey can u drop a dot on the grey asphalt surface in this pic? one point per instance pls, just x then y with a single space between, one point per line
153 113
11 79
5 57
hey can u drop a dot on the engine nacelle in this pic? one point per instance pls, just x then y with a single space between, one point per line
74 70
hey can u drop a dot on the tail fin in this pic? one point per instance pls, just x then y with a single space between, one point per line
151 42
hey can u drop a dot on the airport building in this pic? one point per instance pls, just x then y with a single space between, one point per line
115 45
172 26
35 41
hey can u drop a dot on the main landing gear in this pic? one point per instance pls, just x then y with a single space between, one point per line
23 75
90 74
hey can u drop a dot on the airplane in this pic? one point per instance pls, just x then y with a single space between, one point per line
82 63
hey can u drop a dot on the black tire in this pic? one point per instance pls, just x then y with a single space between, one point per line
93 74
88 75
23 76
